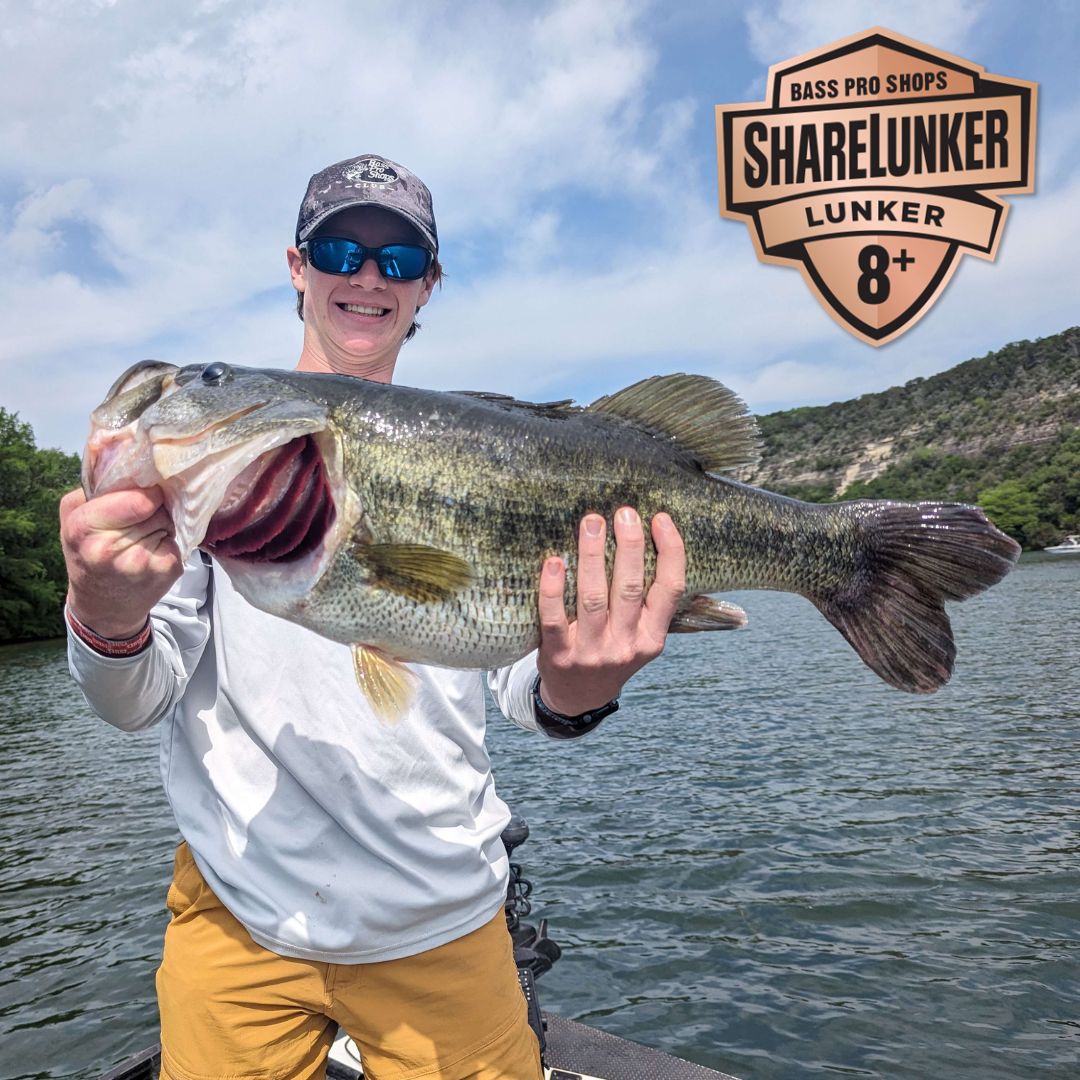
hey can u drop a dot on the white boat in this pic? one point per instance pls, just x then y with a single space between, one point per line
1069 546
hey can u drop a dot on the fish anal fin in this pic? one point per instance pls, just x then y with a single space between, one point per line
705 613
422 573
388 685
700 415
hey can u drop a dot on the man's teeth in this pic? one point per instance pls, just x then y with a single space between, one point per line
363 309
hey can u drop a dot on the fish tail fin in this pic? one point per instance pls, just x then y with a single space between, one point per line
914 557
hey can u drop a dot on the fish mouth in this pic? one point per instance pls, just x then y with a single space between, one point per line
192 438
105 454
107 457
279 509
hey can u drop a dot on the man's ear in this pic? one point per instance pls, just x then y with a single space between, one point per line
426 291
297 265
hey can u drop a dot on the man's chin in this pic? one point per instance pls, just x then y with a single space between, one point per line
363 357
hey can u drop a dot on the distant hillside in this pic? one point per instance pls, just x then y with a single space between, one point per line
1009 418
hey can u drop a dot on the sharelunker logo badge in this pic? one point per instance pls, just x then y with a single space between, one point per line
872 165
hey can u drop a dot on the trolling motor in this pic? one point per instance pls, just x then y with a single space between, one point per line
534 951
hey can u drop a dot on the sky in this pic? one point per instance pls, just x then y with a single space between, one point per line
153 155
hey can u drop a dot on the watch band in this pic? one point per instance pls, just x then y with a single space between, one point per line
568 727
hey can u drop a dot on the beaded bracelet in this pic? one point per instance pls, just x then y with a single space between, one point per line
109 646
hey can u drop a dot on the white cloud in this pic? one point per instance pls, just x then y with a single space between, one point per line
180 139
787 28
576 202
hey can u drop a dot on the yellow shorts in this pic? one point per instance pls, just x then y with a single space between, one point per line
232 1009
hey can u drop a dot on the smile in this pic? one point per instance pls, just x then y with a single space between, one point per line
363 309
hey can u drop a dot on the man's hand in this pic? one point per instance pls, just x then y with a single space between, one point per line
585 663
121 557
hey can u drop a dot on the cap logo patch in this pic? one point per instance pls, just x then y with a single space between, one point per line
370 171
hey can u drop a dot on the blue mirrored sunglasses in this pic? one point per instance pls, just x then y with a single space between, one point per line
336 255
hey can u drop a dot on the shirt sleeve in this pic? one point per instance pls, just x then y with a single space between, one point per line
135 692
511 689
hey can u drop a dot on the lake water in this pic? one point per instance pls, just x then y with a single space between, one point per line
767 862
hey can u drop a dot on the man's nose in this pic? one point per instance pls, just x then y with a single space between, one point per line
369 276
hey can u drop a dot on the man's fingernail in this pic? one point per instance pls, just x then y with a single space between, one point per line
594 526
628 516
663 521
553 567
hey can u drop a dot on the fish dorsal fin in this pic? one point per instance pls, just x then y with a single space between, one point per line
510 404
700 415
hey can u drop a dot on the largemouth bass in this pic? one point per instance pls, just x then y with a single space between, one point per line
412 524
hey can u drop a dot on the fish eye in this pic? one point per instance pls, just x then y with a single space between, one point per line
215 373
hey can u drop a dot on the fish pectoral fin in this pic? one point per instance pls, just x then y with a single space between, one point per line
388 685
705 613
422 573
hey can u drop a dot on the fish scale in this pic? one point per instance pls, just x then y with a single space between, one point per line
445 506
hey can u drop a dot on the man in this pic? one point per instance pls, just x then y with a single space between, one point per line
336 869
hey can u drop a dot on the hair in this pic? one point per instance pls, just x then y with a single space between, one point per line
436 273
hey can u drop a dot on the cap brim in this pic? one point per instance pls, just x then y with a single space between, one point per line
351 204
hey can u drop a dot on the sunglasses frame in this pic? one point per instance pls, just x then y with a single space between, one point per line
376 253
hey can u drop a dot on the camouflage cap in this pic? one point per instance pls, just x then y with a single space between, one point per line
368 180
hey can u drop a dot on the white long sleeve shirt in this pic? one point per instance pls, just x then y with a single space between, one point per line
330 834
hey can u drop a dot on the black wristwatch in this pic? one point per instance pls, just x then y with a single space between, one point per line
568 727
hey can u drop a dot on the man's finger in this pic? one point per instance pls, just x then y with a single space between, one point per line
166 557
149 532
554 627
71 502
592 581
119 509
670 582
628 574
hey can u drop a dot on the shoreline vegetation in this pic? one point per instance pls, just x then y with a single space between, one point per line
33 581
1001 431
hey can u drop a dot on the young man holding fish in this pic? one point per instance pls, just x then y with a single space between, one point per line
335 868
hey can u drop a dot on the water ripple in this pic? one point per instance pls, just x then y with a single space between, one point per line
767 862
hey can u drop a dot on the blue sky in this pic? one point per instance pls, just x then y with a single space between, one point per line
153 156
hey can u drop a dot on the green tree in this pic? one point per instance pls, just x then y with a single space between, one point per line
32 578
1011 506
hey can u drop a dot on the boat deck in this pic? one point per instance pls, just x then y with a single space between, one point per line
574 1052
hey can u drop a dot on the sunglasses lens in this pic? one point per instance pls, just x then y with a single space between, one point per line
405 262
332 255
335 255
